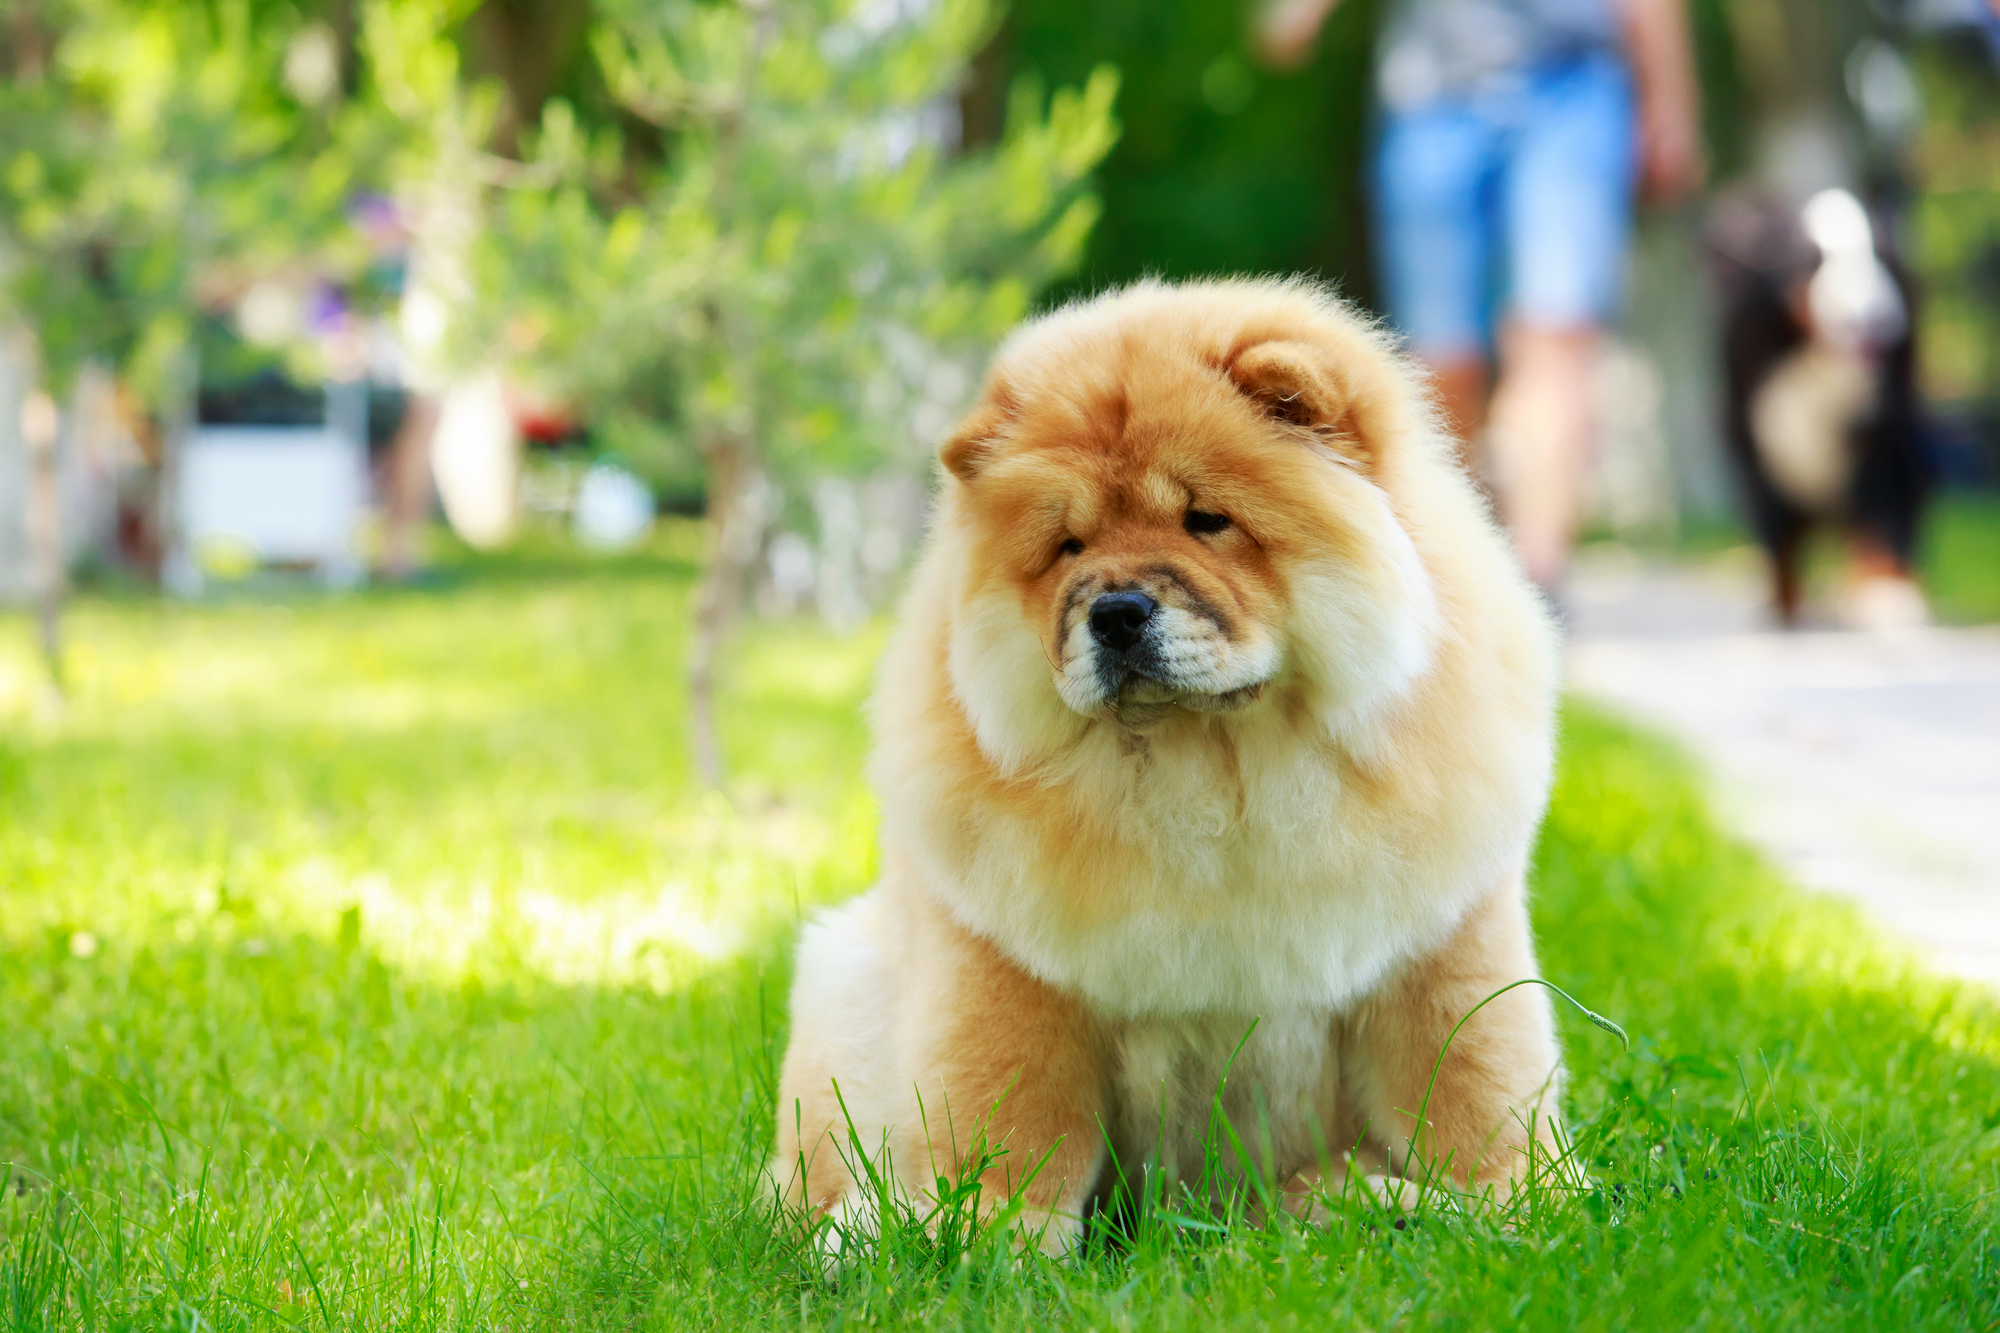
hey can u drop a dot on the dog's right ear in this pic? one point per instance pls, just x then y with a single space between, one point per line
977 438
1296 384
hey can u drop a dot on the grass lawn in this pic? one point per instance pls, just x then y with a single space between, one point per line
370 964
1961 556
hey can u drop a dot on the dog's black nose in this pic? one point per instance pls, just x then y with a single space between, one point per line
1119 618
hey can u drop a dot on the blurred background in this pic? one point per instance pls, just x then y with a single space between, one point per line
305 295
283 281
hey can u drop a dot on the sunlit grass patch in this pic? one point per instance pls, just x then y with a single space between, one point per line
491 777
372 963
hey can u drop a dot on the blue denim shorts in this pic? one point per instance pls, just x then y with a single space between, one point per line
1514 203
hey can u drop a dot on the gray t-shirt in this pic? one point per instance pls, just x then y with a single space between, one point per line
1434 49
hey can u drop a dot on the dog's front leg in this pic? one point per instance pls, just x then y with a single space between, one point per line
1008 1081
1495 1091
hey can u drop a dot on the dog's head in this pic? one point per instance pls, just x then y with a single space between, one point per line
1175 501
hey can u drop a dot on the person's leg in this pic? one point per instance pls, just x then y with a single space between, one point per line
1461 389
1544 432
1433 228
1568 220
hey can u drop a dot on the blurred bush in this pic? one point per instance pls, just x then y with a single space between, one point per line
770 228
1955 229
1223 166
156 158
590 180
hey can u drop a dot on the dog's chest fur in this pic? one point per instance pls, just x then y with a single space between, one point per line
1192 879
1275 1080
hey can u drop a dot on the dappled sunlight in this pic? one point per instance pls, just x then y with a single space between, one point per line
747 879
22 676
222 672
487 787
369 668
745 882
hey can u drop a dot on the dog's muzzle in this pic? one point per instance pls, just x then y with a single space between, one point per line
1137 659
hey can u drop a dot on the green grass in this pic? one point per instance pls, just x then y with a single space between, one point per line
1961 557
370 964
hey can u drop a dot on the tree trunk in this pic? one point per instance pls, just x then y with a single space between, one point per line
179 411
729 445
735 531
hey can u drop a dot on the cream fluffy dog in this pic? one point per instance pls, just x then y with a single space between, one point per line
1217 696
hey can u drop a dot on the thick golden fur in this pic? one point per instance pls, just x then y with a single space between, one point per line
1311 803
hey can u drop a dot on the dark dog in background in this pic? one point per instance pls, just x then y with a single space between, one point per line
1818 336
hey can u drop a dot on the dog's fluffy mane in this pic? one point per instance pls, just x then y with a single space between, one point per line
1385 707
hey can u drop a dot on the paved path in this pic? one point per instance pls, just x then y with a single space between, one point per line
1868 766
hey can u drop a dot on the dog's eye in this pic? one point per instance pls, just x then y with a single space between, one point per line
1200 522
1071 547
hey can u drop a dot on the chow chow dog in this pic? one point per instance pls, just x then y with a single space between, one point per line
1217 698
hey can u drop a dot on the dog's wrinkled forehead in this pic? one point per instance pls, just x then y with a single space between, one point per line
1107 433
1113 410
1123 499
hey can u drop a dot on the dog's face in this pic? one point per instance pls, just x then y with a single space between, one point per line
1166 516
1163 604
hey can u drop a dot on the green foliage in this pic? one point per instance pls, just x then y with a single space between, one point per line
805 254
374 964
746 220
1960 559
1223 166
159 146
1955 225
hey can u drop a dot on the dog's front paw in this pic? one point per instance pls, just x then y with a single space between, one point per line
1307 1195
1057 1235
846 1231
1393 1193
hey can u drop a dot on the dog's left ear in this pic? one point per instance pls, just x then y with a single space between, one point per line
1296 385
977 439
